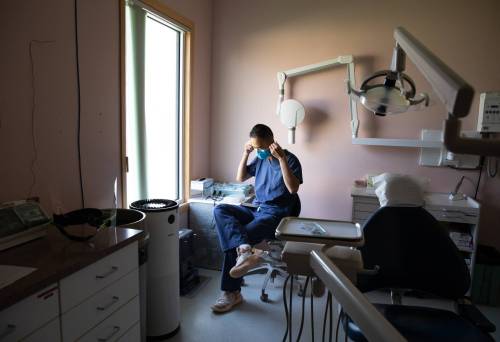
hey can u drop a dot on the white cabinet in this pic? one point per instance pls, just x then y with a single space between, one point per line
31 314
98 307
116 325
101 301
461 218
84 283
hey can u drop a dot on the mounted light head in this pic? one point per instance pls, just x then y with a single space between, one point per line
393 94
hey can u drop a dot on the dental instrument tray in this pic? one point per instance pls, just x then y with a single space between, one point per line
230 189
327 232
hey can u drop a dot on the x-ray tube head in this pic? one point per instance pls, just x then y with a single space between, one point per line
292 113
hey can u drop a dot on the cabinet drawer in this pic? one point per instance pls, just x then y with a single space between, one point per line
84 283
366 207
49 332
132 335
362 215
101 305
115 325
31 313
453 216
365 199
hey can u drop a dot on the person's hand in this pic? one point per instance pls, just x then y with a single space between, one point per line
277 151
248 147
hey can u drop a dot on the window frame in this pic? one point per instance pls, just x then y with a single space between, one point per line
185 98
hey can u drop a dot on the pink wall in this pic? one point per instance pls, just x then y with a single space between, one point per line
55 115
55 83
253 40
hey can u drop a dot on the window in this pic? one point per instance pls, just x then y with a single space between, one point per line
155 56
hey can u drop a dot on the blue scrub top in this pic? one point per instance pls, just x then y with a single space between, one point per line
270 189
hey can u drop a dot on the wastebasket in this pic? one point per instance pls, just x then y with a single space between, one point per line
163 307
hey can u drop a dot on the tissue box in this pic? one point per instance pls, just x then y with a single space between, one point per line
201 187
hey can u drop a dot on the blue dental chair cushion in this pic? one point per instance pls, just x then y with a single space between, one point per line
419 324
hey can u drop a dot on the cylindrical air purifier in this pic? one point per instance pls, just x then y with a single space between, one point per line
163 308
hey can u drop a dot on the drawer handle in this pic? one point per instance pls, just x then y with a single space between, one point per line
9 330
116 329
451 216
107 306
110 272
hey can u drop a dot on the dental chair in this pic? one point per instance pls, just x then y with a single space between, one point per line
275 249
411 251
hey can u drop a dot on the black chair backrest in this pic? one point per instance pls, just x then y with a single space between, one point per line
413 251
296 206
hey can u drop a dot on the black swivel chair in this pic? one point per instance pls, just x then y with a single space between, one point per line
411 250
275 248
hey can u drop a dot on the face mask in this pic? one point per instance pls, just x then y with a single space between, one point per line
263 154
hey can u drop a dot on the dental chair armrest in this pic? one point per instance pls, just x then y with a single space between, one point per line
476 317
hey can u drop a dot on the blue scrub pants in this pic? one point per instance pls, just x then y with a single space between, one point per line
238 225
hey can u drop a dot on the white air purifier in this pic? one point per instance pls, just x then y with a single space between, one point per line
163 294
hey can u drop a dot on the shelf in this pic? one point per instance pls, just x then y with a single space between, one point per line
417 143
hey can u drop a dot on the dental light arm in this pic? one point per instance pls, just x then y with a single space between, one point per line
341 60
452 90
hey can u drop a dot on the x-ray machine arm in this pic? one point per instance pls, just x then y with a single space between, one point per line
307 69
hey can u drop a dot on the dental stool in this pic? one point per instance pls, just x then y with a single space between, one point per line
270 269
275 249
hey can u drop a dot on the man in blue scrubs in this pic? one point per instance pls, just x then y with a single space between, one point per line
278 175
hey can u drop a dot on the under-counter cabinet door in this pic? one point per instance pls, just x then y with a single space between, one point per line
82 318
50 332
88 281
116 325
30 314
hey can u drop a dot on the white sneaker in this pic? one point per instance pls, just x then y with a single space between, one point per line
246 262
227 301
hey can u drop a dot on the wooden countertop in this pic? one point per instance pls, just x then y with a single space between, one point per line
56 257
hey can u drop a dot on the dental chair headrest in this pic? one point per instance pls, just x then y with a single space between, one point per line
395 190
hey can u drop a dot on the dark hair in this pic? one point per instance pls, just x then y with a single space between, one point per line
261 131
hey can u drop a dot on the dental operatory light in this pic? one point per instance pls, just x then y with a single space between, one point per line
395 95
395 92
